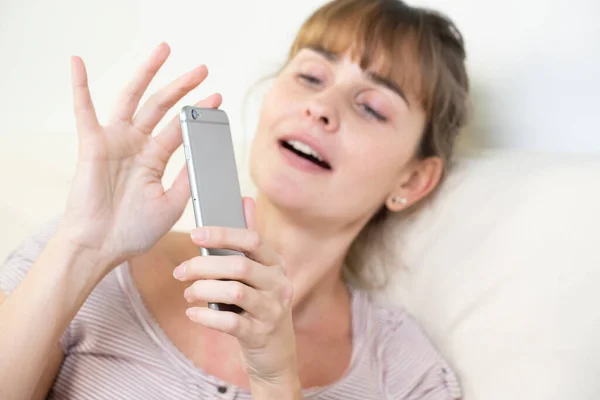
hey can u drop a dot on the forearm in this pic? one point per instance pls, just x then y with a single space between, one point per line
34 317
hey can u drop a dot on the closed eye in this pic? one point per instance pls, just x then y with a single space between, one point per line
310 79
373 113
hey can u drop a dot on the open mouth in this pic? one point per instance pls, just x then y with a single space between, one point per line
305 151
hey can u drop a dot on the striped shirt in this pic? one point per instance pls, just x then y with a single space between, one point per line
114 349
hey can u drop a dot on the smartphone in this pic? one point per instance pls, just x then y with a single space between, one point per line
212 172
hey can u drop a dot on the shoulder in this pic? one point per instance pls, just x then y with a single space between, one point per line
410 367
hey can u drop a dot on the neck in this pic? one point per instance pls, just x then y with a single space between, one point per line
314 260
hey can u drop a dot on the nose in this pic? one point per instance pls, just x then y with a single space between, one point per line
322 111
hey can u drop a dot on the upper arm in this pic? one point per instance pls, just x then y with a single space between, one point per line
435 384
411 367
51 369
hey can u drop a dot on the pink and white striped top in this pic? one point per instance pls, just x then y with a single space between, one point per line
114 349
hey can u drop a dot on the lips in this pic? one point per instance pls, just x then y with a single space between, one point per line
305 147
306 152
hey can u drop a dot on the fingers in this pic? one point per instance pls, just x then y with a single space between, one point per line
129 98
226 322
85 114
263 317
170 137
237 268
247 241
249 208
160 103
253 301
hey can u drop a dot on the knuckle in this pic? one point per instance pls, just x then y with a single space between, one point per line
287 292
254 241
277 310
234 324
184 86
242 267
153 99
281 262
268 329
237 291
282 267
197 287
162 106
129 95
217 234
191 293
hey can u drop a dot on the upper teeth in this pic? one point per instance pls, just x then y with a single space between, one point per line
303 147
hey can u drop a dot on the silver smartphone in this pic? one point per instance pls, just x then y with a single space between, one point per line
212 172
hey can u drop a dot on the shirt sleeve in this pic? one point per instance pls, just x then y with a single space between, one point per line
411 367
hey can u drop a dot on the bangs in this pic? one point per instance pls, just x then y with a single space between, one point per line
381 36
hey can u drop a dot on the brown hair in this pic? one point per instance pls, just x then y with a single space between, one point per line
420 50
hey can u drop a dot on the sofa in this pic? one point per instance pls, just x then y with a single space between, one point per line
502 268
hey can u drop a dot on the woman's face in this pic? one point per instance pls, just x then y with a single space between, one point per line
334 142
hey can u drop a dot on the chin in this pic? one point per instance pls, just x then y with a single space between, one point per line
299 190
279 188
295 198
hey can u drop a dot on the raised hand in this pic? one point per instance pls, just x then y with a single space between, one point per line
118 206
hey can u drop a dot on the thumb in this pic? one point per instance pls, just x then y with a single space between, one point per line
178 194
249 210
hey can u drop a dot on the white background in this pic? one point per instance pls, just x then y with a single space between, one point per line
534 63
534 66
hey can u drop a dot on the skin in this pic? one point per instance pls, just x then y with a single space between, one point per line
299 228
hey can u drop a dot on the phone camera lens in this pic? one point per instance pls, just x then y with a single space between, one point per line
195 114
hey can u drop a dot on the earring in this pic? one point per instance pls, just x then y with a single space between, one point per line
398 199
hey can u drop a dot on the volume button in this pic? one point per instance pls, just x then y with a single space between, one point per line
186 150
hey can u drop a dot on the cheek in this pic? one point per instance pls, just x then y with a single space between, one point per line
383 151
276 105
283 91
373 165
272 111
365 177
376 165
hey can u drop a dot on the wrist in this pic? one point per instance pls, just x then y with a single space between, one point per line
81 264
286 386
62 278
65 241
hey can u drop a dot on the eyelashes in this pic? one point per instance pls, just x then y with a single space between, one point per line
310 79
373 113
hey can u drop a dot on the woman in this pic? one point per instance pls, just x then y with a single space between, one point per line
109 303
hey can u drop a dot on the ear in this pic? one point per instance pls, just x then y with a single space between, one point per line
415 183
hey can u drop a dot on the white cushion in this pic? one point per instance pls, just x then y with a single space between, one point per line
502 270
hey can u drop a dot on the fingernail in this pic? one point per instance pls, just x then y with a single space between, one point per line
179 272
200 234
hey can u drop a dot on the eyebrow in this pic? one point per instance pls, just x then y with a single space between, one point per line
372 76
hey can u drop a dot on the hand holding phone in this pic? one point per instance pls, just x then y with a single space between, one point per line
258 284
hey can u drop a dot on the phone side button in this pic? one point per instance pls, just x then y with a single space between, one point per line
186 150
